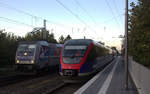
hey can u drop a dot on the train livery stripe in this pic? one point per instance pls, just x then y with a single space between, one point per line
61 61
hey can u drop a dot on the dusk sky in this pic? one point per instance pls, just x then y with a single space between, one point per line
100 20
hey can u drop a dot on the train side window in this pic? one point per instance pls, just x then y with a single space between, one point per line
100 51
44 51
41 51
92 55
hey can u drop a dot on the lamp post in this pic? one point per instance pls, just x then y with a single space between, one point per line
126 44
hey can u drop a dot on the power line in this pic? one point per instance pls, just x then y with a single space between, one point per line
37 17
29 14
75 15
112 13
117 10
113 18
76 1
18 10
15 21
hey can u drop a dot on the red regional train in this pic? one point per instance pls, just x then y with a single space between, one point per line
81 58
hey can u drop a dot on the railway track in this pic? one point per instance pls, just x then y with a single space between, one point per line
66 88
16 78
36 85
47 84
5 81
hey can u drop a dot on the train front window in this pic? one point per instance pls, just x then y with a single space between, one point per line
26 49
74 51
73 54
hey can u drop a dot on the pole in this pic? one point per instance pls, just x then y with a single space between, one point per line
44 23
44 32
84 37
126 44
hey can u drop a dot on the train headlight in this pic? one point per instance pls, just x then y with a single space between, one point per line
17 61
32 61
25 54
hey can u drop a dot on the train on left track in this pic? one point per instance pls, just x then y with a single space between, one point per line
35 56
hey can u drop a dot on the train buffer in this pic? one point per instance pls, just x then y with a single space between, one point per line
111 80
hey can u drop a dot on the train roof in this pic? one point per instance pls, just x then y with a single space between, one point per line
85 42
54 44
59 45
34 42
79 41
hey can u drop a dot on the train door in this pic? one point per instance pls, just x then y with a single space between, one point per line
52 55
43 56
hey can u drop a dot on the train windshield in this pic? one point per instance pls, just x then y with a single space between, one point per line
26 50
74 51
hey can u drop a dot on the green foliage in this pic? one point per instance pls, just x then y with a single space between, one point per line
8 45
62 39
51 38
139 35
39 34
68 38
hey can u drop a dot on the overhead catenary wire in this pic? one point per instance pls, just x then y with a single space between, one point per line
112 13
49 21
113 18
117 10
18 10
76 1
29 14
75 15
33 16
15 21
37 17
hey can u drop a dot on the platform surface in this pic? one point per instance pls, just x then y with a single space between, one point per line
109 81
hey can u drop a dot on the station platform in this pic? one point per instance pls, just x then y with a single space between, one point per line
111 80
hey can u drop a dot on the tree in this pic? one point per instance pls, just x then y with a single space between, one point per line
51 38
139 32
68 38
8 48
61 39
40 34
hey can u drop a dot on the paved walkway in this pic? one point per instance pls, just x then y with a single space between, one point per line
110 81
